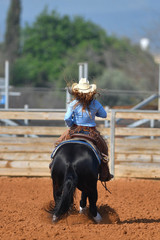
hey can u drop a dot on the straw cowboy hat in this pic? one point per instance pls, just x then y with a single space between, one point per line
84 86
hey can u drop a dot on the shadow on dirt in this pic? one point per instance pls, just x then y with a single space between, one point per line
108 214
141 220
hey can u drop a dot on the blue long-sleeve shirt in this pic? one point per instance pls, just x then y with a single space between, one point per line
76 116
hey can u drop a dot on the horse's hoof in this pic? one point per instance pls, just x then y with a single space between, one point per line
82 210
54 218
98 218
112 176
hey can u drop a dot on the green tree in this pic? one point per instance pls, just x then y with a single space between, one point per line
12 35
51 44
110 84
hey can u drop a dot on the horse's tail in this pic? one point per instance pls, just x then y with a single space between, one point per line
66 199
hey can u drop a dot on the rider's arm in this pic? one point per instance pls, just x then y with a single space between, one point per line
101 111
69 116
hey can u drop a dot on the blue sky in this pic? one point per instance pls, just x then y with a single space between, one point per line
128 18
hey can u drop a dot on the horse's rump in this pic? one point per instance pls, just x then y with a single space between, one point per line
80 141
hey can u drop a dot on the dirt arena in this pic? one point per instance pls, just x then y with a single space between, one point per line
132 211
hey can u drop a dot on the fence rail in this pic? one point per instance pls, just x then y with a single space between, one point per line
25 150
136 161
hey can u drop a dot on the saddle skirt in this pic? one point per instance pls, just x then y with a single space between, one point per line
79 141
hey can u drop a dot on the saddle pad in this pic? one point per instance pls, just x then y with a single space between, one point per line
84 142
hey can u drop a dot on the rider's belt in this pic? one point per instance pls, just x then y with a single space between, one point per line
85 128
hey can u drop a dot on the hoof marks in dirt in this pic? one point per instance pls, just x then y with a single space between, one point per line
109 216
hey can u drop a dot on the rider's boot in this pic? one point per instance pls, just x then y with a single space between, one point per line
105 174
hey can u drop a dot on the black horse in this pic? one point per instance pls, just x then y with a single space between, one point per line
75 165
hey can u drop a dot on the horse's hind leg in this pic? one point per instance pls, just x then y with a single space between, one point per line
83 202
92 206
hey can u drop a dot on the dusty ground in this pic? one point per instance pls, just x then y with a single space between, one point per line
132 211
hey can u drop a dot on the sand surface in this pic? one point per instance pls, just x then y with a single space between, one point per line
132 211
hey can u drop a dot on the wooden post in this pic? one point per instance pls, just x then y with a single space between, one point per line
112 141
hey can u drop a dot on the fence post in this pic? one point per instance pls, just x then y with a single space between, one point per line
106 123
80 70
68 98
26 120
86 70
112 141
6 85
83 70
152 126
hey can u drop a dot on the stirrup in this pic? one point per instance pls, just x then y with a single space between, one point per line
107 179
105 158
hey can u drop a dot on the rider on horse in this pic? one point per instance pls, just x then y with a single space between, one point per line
80 117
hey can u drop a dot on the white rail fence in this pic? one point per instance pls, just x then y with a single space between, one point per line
25 150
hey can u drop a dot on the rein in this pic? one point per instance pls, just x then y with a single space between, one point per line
105 186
